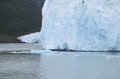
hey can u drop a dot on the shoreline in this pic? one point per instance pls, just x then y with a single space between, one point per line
18 47
25 48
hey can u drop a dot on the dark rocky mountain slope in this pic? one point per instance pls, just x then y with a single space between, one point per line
19 17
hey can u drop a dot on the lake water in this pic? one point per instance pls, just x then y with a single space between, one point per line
60 65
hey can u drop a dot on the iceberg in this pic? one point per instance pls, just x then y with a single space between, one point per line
80 25
44 52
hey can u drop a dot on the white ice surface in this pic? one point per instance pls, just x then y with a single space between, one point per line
30 38
79 24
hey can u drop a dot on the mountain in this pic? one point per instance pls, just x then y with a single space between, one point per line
19 17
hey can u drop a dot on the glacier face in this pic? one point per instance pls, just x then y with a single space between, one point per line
81 24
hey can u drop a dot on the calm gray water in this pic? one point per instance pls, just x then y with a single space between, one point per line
62 65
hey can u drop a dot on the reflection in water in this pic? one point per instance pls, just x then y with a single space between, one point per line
57 66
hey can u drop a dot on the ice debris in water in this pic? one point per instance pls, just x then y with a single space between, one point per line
45 52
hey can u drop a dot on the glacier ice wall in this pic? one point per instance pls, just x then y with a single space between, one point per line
81 24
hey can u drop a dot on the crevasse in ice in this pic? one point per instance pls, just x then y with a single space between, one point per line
81 24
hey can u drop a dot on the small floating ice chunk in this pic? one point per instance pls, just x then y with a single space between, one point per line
46 52
109 57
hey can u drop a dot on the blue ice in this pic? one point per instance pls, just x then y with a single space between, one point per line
80 25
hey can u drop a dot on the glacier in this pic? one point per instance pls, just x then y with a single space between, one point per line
30 38
79 25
